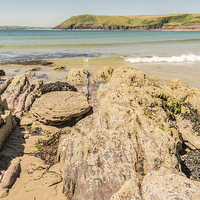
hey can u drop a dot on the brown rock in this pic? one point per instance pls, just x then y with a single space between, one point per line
59 68
78 76
155 79
33 95
10 175
7 126
4 86
4 192
7 122
18 85
79 79
96 161
56 108
99 156
103 74
26 121
133 138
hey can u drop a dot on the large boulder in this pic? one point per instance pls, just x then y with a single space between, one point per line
56 108
97 161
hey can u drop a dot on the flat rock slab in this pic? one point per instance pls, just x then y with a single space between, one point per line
56 108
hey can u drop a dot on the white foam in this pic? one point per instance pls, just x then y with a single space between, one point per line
182 58
85 59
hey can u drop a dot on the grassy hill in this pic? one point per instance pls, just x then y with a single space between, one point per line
129 22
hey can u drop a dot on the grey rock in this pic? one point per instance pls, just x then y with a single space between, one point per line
165 185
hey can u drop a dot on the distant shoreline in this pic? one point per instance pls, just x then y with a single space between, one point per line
181 28
24 28
126 30
176 28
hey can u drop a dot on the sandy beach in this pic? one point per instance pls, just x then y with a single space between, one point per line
39 180
188 72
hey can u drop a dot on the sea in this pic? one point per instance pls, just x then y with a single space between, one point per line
170 54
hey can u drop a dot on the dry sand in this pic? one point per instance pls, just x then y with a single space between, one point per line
34 181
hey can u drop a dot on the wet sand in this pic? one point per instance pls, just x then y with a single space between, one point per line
188 72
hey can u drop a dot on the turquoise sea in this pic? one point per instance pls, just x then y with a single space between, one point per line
170 54
138 46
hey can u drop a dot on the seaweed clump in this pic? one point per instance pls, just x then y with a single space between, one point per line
47 148
191 165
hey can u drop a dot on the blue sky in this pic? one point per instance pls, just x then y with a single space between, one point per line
53 12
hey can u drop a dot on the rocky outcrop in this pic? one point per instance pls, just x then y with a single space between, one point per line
20 94
77 27
157 26
133 139
4 86
14 89
132 146
103 74
79 79
7 122
56 108
164 184
59 68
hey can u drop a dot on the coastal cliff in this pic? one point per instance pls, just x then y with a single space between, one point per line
141 22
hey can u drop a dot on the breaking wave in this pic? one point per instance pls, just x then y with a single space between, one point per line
182 58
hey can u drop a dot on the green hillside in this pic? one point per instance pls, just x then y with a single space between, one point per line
126 22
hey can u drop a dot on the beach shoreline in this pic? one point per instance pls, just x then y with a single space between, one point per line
188 72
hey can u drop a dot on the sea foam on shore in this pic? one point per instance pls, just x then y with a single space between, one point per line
183 58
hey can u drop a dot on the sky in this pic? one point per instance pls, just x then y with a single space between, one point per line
49 13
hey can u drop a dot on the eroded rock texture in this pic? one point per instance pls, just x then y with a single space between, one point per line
133 134
56 108
7 122
103 74
79 79
131 146
20 94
